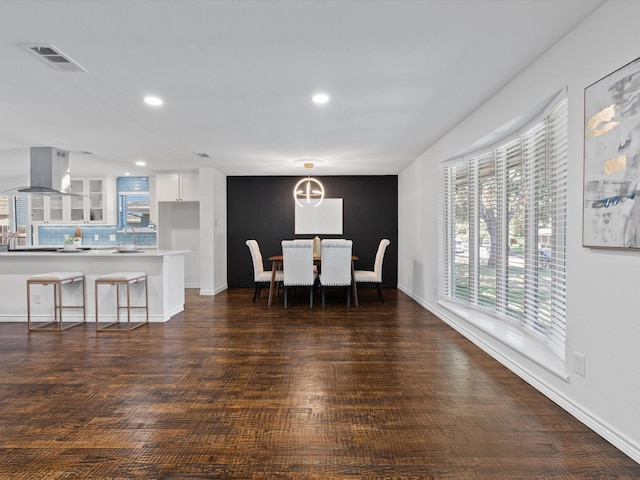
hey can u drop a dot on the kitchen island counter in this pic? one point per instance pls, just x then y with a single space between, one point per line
164 269
57 252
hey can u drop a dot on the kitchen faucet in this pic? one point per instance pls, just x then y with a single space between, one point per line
133 234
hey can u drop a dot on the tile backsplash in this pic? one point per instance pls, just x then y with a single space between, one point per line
54 235
132 184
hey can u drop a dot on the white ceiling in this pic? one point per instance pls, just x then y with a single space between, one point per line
237 77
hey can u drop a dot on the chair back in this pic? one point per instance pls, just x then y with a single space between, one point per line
256 256
377 265
297 262
336 262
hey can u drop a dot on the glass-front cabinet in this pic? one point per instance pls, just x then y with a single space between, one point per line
47 209
96 200
56 208
77 203
86 205
36 207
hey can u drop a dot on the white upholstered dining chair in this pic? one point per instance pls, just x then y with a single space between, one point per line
261 277
375 276
297 263
336 266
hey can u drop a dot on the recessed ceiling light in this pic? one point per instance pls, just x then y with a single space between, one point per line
320 98
127 174
153 101
141 163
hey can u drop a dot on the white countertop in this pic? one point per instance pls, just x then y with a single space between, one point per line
81 254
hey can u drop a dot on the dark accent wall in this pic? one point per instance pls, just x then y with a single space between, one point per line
263 208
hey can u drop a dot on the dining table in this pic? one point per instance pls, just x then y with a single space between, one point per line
276 264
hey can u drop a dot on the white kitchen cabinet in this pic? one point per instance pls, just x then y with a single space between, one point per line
87 207
177 187
47 209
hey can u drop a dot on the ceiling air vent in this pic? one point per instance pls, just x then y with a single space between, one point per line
53 57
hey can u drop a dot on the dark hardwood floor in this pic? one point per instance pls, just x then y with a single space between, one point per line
230 389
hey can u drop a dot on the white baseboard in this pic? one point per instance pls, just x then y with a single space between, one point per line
214 292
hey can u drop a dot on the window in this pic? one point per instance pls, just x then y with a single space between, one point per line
13 219
133 202
503 228
4 211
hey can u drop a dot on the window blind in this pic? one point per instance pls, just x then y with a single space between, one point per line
503 228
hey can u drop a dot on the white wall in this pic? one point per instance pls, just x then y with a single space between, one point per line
602 319
220 232
179 229
213 231
9 183
111 199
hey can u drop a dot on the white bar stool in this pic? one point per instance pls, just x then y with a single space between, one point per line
118 279
57 280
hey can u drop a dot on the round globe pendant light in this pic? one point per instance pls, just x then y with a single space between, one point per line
308 192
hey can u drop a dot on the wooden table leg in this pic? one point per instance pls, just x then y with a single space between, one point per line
273 281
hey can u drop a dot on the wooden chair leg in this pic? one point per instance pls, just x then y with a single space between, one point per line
349 296
286 293
311 296
379 292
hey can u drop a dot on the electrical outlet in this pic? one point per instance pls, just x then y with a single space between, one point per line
112 238
96 237
580 364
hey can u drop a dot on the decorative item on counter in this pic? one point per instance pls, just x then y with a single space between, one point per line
317 246
68 243
8 239
77 237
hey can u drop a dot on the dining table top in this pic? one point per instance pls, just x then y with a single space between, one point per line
280 258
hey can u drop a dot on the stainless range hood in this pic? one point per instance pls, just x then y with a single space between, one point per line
49 171
49 174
